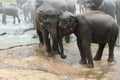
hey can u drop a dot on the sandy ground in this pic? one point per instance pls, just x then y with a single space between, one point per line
25 61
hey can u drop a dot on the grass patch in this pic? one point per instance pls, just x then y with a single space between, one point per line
7 1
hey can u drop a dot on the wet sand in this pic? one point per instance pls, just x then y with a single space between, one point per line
27 61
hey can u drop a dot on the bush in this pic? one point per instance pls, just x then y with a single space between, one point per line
7 1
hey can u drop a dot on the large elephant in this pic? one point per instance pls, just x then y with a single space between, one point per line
107 6
10 11
47 16
92 27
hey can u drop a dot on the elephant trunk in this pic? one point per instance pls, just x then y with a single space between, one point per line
60 42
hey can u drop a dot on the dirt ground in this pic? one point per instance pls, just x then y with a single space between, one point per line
26 61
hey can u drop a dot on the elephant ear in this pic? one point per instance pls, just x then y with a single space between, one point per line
73 22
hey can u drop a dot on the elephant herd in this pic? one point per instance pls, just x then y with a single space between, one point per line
13 10
55 19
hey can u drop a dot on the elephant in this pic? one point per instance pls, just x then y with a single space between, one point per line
20 3
46 19
28 11
118 11
107 6
93 27
11 11
45 24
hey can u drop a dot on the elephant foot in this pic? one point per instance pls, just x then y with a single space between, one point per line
82 62
89 65
97 58
49 53
110 59
63 56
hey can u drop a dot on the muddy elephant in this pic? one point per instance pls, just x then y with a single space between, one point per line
48 15
107 6
93 27
10 11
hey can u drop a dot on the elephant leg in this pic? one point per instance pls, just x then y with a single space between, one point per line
13 19
24 16
82 54
61 47
99 51
111 45
86 43
40 36
18 18
55 44
47 43
111 55
4 19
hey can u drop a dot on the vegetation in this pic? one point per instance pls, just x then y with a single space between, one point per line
7 1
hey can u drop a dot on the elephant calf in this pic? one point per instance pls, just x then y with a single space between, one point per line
11 11
92 27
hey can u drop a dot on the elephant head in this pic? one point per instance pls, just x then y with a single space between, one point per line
93 4
67 22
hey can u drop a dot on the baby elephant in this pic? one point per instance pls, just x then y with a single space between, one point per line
10 11
92 27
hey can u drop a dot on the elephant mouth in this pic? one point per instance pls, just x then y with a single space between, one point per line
68 31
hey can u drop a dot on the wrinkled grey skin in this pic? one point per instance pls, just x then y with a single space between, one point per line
93 27
48 13
107 6
10 11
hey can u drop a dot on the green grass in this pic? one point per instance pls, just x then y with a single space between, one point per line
7 1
